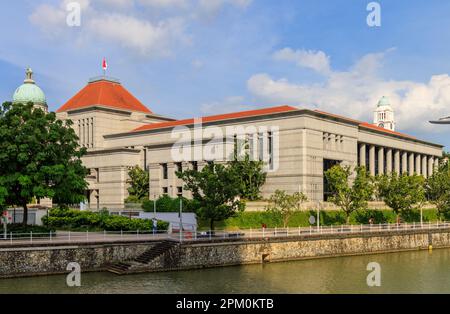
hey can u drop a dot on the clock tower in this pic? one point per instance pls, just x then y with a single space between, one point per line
384 115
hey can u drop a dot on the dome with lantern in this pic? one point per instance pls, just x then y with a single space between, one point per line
30 92
384 115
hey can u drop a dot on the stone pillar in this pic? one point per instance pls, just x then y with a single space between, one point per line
411 164
397 162
436 163
418 164
381 160
405 162
171 181
372 160
430 165
424 166
155 181
362 155
389 161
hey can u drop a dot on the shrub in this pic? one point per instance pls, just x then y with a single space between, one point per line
166 204
80 220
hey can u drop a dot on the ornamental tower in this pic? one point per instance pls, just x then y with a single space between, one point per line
384 115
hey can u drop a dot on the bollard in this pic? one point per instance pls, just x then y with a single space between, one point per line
31 236
50 235
87 234
69 237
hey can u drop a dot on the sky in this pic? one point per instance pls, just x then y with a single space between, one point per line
189 58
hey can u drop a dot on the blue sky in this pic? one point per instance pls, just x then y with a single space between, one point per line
185 58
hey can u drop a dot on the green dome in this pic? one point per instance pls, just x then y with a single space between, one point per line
29 92
384 101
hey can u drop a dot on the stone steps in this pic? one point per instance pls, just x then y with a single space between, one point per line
143 259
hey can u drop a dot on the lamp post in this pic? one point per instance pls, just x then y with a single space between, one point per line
154 206
181 219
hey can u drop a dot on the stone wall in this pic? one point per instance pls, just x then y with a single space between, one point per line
201 255
35 260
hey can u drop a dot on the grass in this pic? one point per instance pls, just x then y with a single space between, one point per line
248 220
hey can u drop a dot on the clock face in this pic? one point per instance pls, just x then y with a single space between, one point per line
381 125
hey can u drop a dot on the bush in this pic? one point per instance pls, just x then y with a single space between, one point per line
248 220
166 204
19 228
85 220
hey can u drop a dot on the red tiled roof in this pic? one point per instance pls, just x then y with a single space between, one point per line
367 125
228 116
104 93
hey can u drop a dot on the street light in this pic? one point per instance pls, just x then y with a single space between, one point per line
181 219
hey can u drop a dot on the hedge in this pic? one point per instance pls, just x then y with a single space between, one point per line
166 204
248 220
94 221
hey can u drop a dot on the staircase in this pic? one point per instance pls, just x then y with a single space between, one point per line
145 258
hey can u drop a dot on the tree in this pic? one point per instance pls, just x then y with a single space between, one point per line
401 193
39 157
216 190
286 204
438 190
139 182
251 175
347 195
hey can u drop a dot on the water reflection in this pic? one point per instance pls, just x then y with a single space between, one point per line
407 272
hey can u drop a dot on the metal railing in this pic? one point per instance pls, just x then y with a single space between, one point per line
193 235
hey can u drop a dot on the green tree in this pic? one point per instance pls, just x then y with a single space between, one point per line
39 157
401 193
139 182
285 204
347 195
437 189
216 191
251 175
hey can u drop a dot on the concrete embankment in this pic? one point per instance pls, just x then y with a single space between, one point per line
139 257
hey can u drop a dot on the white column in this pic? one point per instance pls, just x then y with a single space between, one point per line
436 164
389 161
362 155
430 165
372 160
418 164
405 162
424 166
397 162
380 160
411 164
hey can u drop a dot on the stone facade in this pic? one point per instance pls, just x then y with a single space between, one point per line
299 145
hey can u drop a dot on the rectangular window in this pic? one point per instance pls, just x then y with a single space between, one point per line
180 191
270 144
165 190
261 146
165 173
195 166
179 167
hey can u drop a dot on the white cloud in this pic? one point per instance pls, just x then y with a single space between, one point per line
106 21
316 60
141 36
354 93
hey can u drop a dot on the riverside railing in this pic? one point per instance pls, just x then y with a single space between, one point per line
191 235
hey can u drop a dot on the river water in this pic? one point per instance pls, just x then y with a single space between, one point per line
405 272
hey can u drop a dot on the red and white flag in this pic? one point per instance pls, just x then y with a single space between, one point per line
104 64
